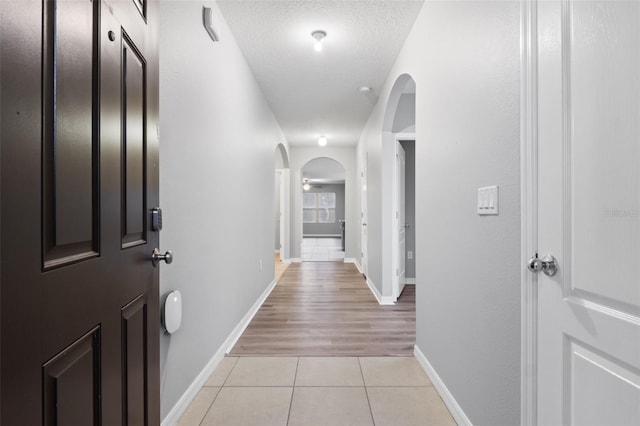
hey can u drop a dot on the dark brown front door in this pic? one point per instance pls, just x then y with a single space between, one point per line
79 177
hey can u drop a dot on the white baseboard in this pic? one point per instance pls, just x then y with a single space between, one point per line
388 300
185 400
454 408
381 300
354 261
321 236
292 260
192 391
244 322
277 251
411 281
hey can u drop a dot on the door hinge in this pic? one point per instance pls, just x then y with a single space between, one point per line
397 272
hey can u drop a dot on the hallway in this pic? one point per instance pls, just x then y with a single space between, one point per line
310 356
154 155
326 309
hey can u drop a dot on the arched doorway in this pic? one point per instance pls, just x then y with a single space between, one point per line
323 210
398 191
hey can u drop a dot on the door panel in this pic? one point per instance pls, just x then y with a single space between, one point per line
617 387
70 118
134 361
79 176
604 107
589 186
133 142
72 383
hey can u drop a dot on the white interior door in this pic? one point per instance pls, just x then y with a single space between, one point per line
589 212
278 211
285 214
363 216
401 252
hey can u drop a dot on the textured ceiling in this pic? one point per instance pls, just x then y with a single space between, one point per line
316 93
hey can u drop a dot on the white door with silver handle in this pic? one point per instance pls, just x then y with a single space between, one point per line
588 204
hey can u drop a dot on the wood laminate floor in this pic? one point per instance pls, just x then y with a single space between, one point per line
326 309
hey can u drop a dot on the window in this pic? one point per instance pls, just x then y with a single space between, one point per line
319 207
309 208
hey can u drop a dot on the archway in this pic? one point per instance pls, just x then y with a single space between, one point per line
398 189
323 210
281 208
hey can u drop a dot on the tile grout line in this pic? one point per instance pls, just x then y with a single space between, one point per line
366 392
293 389
210 405
219 390
224 382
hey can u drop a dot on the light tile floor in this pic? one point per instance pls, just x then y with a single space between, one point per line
321 249
317 391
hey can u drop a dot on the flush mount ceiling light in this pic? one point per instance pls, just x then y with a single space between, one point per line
306 186
322 141
318 35
368 93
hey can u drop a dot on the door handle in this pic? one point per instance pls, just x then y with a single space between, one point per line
406 225
547 264
156 257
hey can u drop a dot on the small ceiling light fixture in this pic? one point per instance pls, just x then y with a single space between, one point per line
318 35
368 93
322 141
306 186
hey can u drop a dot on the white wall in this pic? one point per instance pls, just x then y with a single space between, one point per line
405 118
217 142
464 58
298 157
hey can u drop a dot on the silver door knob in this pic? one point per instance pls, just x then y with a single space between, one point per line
156 257
547 264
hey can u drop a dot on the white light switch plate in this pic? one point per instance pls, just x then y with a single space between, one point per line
488 200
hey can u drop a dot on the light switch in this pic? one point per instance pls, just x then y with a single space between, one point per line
488 200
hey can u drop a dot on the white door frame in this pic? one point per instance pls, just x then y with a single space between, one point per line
390 254
529 208
397 287
364 214
279 212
